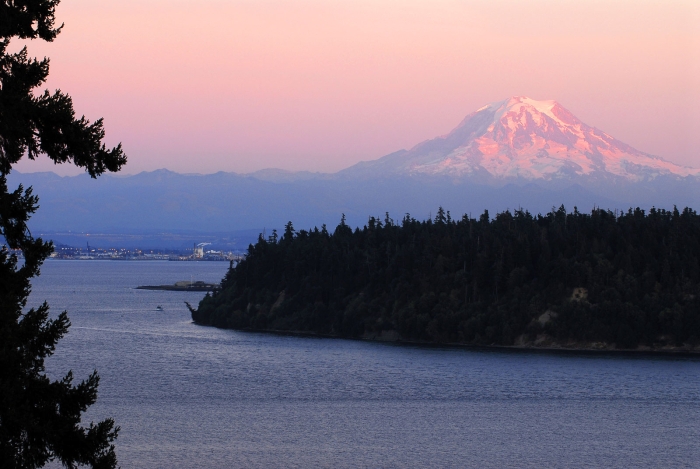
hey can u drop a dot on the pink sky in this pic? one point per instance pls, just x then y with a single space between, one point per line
225 85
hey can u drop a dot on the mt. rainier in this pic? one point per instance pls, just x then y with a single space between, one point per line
521 138
514 153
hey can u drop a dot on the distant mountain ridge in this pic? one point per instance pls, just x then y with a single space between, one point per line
515 153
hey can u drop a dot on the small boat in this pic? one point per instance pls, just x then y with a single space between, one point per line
159 308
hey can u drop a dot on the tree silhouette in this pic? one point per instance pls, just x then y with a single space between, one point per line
40 418
624 279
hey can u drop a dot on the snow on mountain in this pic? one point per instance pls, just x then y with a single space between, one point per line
524 138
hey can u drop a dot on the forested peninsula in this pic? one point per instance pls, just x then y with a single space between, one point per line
604 280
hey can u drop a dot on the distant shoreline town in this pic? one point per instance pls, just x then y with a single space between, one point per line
197 253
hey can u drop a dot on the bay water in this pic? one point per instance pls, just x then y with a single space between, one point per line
187 396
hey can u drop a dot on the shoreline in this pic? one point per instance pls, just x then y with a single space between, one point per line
198 287
605 349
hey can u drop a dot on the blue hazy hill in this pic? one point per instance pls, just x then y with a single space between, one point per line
165 201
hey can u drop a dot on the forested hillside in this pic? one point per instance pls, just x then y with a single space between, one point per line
601 279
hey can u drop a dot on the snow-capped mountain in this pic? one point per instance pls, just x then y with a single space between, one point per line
521 138
516 153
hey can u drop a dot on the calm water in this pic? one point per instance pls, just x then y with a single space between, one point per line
188 396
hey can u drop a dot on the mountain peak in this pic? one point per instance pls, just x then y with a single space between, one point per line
514 101
549 108
523 138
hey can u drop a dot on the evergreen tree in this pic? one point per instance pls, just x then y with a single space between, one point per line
40 418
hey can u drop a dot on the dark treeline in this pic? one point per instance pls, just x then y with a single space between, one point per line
623 279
